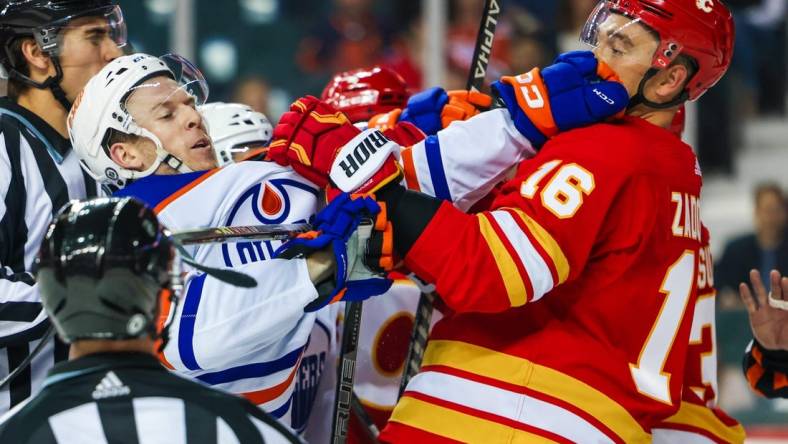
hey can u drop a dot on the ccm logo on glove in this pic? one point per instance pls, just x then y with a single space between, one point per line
359 159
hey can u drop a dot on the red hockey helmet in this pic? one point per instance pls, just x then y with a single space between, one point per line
701 29
363 93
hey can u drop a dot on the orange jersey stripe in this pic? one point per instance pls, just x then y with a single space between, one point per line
411 180
262 396
163 204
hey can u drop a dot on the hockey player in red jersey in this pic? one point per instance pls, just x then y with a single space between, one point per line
698 419
572 295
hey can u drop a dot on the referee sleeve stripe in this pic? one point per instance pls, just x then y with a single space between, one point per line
54 184
13 231
25 277
19 311
202 424
119 421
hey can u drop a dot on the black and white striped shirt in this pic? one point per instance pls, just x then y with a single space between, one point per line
131 398
39 173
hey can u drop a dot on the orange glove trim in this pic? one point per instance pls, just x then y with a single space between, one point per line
385 121
337 118
534 100
300 152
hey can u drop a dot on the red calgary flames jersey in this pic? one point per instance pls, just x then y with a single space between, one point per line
572 297
699 420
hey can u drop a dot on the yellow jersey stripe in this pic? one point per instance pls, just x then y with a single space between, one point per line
548 243
522 372
703 418
510 275
457 425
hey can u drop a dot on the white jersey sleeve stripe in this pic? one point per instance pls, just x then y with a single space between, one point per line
533 263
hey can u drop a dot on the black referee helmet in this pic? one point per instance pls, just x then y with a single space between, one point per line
43 20
101 269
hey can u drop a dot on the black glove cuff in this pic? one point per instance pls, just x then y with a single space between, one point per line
409 213
775 360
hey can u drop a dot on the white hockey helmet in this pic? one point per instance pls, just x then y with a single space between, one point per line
235 128
100 110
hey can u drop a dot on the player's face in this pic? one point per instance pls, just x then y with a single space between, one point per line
770 213
86 47
627 47
165 109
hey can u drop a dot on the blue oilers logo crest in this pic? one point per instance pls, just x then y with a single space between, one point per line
275 201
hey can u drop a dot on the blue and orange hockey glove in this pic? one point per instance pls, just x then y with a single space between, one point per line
433 109
356 231
577 90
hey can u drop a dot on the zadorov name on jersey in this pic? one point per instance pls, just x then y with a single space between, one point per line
363 150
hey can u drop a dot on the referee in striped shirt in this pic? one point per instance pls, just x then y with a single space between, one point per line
48 50
102 269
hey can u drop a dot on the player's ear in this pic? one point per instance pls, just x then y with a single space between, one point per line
40 64
670 82
126 155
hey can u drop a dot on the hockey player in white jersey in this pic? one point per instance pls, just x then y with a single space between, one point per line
237 131
138 131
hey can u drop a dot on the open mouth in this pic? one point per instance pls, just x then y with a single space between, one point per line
202 143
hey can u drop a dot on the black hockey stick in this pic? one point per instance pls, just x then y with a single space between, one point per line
232 234
26 362
346 373
476 76
484 42
368 425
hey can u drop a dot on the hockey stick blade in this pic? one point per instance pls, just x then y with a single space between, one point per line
484 42
240 233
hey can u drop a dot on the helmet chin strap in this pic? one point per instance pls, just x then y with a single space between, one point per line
51 83
640 98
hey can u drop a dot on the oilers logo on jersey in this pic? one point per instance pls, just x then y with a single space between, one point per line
268 202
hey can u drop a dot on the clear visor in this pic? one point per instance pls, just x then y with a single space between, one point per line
162 97
96 26
619 40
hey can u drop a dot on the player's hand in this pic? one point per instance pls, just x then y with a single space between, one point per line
434 109
768 312
308 137
463 105
577 90
355 230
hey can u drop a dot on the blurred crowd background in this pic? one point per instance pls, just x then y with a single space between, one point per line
266 53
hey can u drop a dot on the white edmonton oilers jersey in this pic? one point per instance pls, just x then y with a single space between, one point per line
255 342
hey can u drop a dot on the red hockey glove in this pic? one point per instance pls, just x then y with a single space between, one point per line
308 137
322 145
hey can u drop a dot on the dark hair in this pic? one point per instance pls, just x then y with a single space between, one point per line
765 188
114 136
15 86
